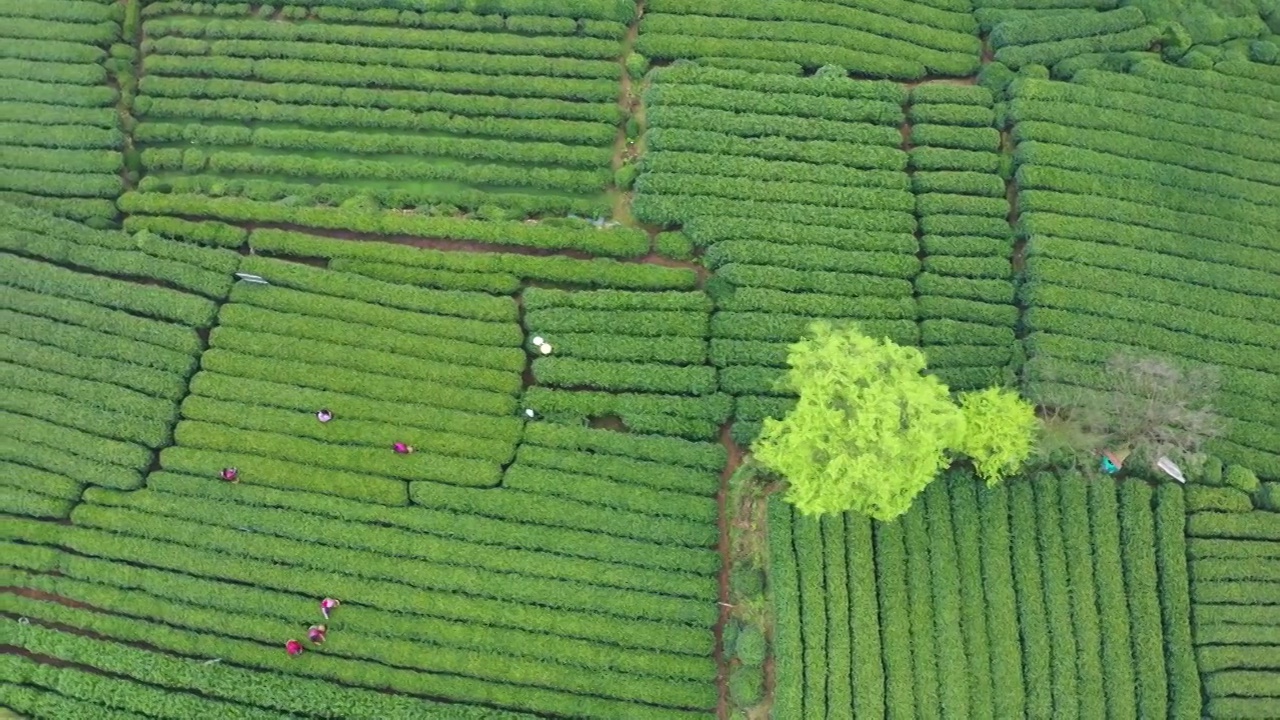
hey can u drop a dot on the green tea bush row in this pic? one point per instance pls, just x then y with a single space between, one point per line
574 372
560 512
81 469
628 497
948 356
38 481
630 348
409 544
1047 270
936 182
224 681
1046 29
536 298
974 225
1096 99
968 267
612 243
707 230
402 338
726 353
494 283
1168 164
697 74
453 442
784 191
894 616
144 367
1195 322
944 158
836 283
929 27
675 47
867 669
1067 693
1049 53
485 523
128 455
517 119
484 64
1139 558
740 380
97 185
1040 680
202 232
767 300
789 328
773 137
991 291
263 604
18 501
666 450
93 125
308 94
839 642
389 76
784 596
641 323
1221 79
952 114
919 597
965 521
52 51
66 412
252 653
811 258
433 577
655 475
1201 269
806 537
78 96
878 112
104 32
1152 338
103 395
1071 193
64 161
1230 101
1175 602
955 332
977 139
70 691
953 655
686 163
392 37
53 72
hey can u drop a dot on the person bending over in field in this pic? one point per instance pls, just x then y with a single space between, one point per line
316 633
327 605
231 475
402 449
324 416
293 647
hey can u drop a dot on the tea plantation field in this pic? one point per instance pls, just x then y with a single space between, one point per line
560 249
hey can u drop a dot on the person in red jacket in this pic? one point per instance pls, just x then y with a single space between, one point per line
402 449
293 647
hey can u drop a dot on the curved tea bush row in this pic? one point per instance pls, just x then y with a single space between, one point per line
615 243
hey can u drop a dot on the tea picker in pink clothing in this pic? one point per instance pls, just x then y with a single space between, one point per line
293 647
402 449
324 416
327 605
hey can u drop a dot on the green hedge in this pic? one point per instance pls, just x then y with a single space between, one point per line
942 158
654 475
868 670
706 231
657 45
494 523
789 328
1137 533
959 138
79 352
1045 29
1049 53
767 300
965 523
615 243
895 618
1175 602
701 163
836 283
957 183
565 513
83 470
811 258
1032 615
106 423
806 536
783 191
458 438
702 456
774 136
153 302
773 102
953 657
955 114
641 323
784 596
39 481
620 495
227 682
919 598
1066 689
989 291
1073 501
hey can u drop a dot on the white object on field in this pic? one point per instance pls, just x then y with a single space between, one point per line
529 412
1170 469
537 340
252 279
545 348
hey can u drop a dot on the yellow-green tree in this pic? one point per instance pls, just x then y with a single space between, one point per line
870 430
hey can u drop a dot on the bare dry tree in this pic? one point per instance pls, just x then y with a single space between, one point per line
1148 407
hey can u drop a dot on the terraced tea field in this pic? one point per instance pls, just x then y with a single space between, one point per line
560 250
